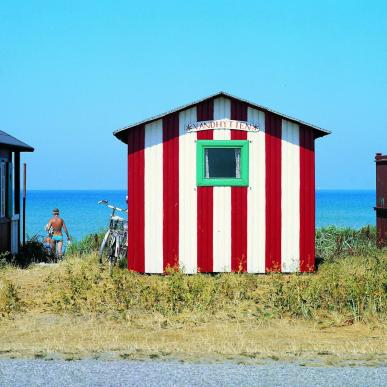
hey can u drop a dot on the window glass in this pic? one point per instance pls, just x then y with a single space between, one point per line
222 163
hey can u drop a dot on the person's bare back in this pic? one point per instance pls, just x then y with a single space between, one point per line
57 224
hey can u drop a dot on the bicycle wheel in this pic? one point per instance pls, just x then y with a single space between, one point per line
123 250
113 253
104 244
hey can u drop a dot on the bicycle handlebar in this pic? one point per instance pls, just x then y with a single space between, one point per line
106 203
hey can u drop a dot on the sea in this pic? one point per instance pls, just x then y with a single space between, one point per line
83 215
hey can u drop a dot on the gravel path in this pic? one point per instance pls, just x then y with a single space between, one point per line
173 373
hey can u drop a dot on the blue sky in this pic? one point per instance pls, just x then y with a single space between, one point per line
71 72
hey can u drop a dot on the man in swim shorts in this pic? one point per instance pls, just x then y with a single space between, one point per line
57 223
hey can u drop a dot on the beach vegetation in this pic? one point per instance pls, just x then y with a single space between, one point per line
4 259
352 287
91 243
32 252
333 242
77 307
10 302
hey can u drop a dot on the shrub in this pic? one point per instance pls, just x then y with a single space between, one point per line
32 252
9 299
352 287
333 242
87 245
5 258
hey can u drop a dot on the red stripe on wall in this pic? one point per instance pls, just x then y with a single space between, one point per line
238 201
307 200
171 191
136 195
205 111
273 132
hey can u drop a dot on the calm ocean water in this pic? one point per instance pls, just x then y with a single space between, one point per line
83 215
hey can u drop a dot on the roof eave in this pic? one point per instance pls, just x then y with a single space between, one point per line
320 133
121 133
16 148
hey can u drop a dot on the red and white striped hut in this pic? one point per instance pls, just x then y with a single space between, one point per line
220 185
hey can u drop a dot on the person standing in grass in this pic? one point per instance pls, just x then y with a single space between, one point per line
57 224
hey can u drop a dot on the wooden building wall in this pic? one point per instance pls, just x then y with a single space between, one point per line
5 221
267 226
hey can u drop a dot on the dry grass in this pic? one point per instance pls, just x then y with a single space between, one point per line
70 337
75 309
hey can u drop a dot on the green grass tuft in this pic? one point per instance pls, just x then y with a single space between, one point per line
335 242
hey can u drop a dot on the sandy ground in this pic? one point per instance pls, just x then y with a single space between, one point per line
45 336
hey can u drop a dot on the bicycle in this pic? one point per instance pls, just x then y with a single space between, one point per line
115 241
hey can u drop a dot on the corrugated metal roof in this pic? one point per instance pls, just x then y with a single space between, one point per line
13 143
121 133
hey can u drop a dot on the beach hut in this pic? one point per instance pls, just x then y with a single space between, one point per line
219 185
10 148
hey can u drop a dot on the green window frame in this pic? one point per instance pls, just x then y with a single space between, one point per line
202 181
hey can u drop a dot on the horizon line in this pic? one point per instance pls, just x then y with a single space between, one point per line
125 189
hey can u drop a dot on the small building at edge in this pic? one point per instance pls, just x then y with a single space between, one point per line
10 148
219 185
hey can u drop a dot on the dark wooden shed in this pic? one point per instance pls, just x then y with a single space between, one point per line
10 149
381 199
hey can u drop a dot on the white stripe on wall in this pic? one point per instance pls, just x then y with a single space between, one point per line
154 197
222 200
256 195
290 199
187 194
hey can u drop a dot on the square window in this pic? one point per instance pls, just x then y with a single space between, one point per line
222 163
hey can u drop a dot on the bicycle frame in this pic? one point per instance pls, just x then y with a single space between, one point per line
114 238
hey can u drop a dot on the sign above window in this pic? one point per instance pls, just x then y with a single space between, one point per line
222 125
